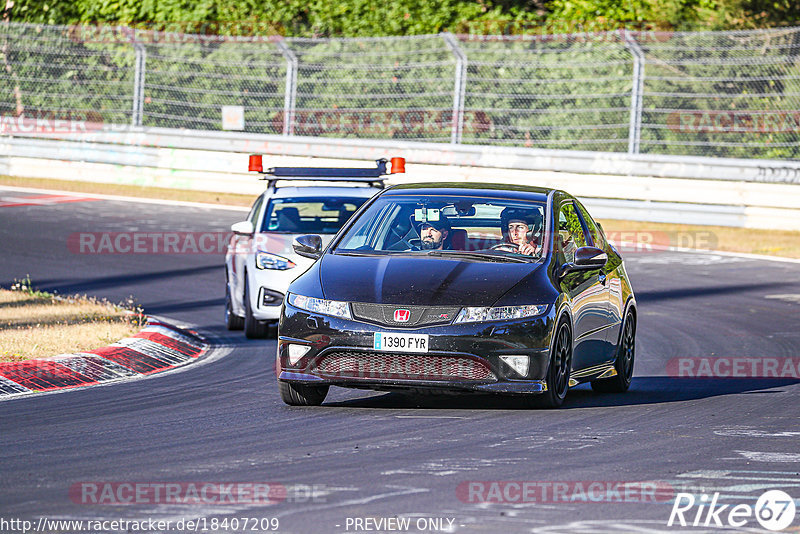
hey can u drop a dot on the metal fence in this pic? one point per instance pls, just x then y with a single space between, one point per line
731 94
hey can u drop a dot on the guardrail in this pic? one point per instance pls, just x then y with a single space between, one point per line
692 190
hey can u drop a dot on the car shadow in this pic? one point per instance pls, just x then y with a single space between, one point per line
677 293
644 390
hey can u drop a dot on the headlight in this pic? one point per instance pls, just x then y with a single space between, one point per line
325 307
501 313
265 260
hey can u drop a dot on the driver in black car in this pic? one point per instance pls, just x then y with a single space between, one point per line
434 235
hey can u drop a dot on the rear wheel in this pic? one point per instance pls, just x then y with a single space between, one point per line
559 370
626 351
253 328
302 395
232 321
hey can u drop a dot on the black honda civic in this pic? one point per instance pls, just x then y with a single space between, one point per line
460 288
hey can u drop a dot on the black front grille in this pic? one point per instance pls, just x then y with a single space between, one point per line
400 366
417 315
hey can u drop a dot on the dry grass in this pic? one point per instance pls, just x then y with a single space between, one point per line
39 325
767 242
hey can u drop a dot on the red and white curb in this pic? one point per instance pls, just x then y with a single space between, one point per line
156 348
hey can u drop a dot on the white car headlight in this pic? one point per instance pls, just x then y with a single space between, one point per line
265 260
325 307
501 313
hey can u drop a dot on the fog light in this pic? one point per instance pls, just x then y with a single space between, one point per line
270 298
517 363
296 352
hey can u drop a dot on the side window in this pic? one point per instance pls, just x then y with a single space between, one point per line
570 233
254 211
594 231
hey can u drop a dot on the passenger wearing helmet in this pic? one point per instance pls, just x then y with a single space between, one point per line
521 231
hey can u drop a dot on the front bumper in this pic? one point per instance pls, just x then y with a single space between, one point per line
460 357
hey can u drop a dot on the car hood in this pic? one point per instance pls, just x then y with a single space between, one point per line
414 281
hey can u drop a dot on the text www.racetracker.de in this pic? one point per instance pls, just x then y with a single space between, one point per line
193 524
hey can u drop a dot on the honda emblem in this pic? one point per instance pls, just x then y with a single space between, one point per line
402 316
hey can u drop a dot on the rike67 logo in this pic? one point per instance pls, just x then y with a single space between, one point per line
774 510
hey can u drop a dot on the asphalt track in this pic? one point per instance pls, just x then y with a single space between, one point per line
377 455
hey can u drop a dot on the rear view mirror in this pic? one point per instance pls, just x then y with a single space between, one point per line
243 228
308 246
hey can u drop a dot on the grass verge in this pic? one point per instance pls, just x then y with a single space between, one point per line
35 324
751 241
781 243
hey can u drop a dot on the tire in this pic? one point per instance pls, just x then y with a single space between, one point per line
253 328
301 395
626 352
559 369
232 321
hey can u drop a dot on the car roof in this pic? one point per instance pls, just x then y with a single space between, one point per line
352 191
519 192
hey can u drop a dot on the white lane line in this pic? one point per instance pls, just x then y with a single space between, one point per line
757 456
755 433
731 477
429 417
121 198
353 502
789 297
637 526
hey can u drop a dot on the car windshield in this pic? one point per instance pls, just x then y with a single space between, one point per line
472 228
309 215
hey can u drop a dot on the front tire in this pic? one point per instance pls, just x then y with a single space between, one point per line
232 321
302 395
253 328
626 351
559 369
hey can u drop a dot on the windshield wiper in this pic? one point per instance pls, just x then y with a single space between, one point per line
358 252
480 256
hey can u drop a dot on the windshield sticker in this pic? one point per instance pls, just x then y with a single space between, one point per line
423 215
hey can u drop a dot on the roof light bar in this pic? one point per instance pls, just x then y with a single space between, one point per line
335 173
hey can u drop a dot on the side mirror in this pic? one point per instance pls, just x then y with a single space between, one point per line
590 258
308 246
243 228
586 259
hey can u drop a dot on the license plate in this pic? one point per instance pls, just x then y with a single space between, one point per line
393 342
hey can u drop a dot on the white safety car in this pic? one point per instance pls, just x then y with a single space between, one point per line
260 262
